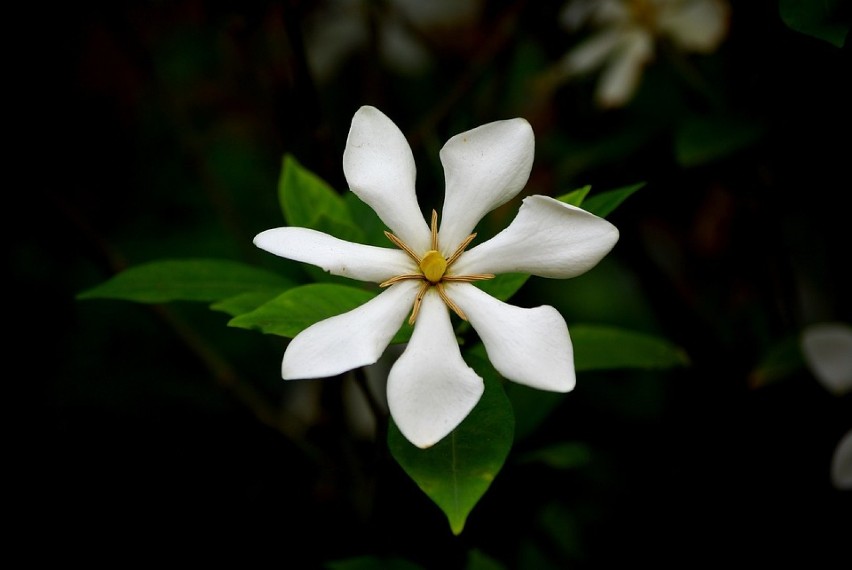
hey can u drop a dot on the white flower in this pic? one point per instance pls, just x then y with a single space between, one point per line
626 34
827 350
841 463
430 389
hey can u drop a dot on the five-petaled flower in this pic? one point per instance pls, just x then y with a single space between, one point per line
430 388
626 34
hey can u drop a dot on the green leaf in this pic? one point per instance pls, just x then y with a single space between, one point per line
308 201
531 407
699 140
604 203
457 471
245 302
371 226
503 286
186 280
563 455
783 359
298 308
575 197
372 563
816 18
478 560
598 347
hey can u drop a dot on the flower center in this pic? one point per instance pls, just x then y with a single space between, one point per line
432 270
433 265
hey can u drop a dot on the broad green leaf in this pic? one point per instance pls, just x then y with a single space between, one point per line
457 471
575 197
598 347
245 302
604 203
372 228
818 18
186 280
308 201
699 140
782 360
478 560
372 563
503 286
298 308
563 455
531 407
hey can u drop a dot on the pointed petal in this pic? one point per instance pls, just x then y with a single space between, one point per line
484 168
430 388
841 463
528 346
590 54
620 78
380 170
339 257
699 25
349 340
827 349
547 238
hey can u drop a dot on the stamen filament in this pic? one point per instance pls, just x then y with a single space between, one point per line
401 245
468 278
398 278
460 249
456 309
417 301
434 227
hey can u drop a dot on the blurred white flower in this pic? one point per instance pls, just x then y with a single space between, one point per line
430 388
339 28
841 463
626 32
827 349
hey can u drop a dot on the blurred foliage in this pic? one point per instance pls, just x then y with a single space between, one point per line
158 431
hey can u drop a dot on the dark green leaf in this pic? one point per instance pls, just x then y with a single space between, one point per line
598 347
307 201
699 140
564 455
298 308
186 280
245 302
531 407
478 560
372 228
575 197
817 18
503 286
457 471
783 359
604 203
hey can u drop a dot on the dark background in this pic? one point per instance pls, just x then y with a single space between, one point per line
157 130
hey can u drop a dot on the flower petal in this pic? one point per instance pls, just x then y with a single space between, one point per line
590 54
827 349
349 340
841 463
339 257
547 238
484 168
380 170
699 25
430 388
528 346
620 77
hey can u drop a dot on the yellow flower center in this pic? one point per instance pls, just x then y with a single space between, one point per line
434 270
433 265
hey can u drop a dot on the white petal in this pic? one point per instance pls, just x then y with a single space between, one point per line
547 238
827 348
591 53
620 77
528 346
484 168
352 339
699 25
380 170
430 388
841 463
344 258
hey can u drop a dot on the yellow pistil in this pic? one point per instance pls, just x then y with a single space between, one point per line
434 270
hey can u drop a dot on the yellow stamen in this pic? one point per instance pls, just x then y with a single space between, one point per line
433 265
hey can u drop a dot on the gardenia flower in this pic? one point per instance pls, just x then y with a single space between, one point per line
827 350
431 271
627 31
